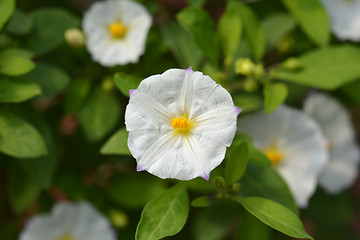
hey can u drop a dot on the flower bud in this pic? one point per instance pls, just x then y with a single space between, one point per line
244 66
219 182
75 37
291 64
107 84
118 218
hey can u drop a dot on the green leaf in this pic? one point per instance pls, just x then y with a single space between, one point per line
20 23
99 114
50 25
252 228
274 95
248 102
6 10
203 201
267 183
117 144
276 27
14 65
16 52
237 162
253 33
258 157
76 95
17 90
51 79
327 68
312 18
124 82
351 91
196 2
18 138
202 28
230 29
182 45
274 215
165 215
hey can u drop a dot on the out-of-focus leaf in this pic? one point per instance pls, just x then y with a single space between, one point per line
17 90
267 183
50 25
200 186
259 158
15 52
165 215
182 45
276 27
253 33
99 114
196 2
6 10
351 91
312 18
230 29
18 138
14 65
117 144
236 163
274 95
19 23
275 215
50 78
202 28
248 102
135 191
203 201
326 68
76 94
124 82
252 228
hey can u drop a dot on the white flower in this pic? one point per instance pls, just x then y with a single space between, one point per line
180 123
344 17
344 154
116 31
294 143
69 221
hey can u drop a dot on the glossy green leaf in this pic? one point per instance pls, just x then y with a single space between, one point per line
312 18
203 201
327 68
51 79
14 66
18 138
236 163
6 10
253 32
274 95
17 90
76 94
201 27
165 215
99 114
257 157
230 29
50 25
251 228
182 45
276 27
124 82
275 215
117 144
20 23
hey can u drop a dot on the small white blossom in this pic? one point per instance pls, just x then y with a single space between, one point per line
69 221
344 17
294 143
180 123
116 31
344 153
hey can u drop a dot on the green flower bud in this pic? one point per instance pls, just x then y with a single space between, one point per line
219 182
291 64
108 84
244 66
118 218
75 37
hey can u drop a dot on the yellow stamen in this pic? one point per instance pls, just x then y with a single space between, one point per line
67 237
117 29
181 123
275 156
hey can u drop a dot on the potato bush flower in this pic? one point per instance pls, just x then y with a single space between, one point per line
180 123
344 17
295 145
69 221
344 153
116 31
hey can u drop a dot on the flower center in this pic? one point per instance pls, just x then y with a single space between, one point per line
66 237
117 29
275 156
181 123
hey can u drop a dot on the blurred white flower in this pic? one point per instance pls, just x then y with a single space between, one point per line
344 155
344 17
180 123
294 143
69 221
116 31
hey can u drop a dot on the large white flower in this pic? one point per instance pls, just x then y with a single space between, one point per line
335 122
69 221
180 123
116 31
344 18
294 143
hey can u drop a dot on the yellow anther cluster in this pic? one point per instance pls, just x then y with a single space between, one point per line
181 123
117 29
275 156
